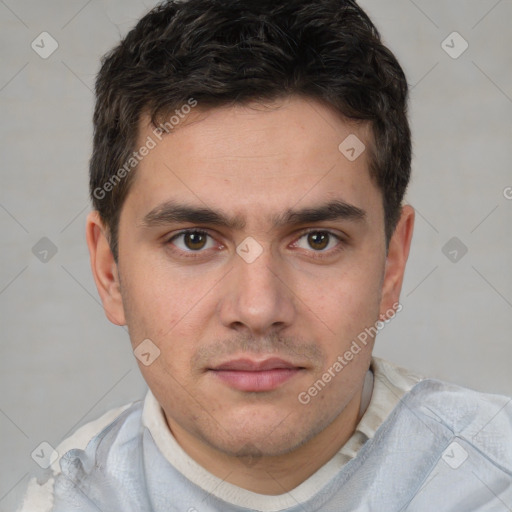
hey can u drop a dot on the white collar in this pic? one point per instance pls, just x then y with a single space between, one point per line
390 383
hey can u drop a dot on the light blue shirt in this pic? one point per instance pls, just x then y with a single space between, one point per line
443 448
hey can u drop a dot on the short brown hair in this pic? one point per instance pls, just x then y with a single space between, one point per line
222 52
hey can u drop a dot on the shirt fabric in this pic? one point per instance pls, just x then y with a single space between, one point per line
419 441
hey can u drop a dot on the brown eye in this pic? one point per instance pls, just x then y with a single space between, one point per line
318 240
192 241
195 240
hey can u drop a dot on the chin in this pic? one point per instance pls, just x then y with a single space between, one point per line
258 435
256 446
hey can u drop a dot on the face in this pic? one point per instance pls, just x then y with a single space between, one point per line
252 254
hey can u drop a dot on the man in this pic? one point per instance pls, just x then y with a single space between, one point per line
249 165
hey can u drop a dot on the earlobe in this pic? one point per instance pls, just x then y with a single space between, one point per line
104 269
396 259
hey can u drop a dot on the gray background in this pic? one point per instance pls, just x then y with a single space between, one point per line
62 363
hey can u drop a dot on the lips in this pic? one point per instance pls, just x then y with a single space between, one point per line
249 365
255 376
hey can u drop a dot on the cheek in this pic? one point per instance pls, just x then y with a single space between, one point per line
171 310
347 301
160 298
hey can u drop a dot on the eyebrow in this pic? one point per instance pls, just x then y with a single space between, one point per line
172 211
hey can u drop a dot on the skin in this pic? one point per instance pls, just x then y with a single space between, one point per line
252 163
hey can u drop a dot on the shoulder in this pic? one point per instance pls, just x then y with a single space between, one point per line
456 405
460 406
39 495
484 420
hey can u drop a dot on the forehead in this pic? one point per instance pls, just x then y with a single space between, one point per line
293 126
254 157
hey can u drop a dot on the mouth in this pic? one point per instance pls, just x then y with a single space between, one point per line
256 376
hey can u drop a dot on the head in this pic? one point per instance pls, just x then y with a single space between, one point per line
235 121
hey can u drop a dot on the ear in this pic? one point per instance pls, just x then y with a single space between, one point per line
104 268
396 259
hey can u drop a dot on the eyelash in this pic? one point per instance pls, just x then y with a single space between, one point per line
314 254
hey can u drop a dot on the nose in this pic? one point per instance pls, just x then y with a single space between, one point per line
258 296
